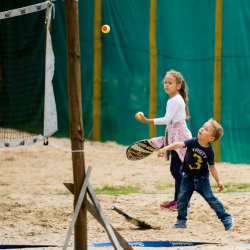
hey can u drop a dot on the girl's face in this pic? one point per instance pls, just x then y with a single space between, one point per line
170 85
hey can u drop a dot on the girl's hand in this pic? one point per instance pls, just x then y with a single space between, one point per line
221 186
142 118
161 152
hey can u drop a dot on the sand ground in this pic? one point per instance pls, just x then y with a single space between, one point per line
35 210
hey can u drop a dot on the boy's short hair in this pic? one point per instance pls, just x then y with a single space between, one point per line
218 130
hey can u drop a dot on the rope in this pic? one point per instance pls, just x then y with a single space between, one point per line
72 151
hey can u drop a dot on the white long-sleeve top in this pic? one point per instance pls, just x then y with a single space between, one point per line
175 111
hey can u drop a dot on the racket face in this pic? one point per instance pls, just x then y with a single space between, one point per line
140 150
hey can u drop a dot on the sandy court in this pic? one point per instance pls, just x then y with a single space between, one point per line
35 210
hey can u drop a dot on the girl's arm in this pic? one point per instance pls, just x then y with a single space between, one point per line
172 108
170 147
215 174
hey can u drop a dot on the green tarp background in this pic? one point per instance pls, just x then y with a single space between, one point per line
235 81
184 43
185 40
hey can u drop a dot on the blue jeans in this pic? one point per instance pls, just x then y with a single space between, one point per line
175 169
203 187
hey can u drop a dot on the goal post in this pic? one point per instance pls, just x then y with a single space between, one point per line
27 103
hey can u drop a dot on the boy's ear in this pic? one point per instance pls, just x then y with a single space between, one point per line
211 139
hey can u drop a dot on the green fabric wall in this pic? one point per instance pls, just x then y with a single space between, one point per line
60 82
185 40
235 81
125 70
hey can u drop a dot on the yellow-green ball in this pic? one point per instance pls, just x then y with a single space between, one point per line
105 28
140 114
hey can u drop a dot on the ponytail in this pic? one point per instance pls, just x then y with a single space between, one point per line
184 93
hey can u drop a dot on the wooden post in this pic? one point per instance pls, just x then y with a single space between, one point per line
217 72
76 124
97 72
153 67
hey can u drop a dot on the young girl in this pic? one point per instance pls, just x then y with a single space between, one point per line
176 131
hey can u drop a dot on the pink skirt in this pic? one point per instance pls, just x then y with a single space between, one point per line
176 132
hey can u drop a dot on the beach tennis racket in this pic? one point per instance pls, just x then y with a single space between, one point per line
137 222
139 150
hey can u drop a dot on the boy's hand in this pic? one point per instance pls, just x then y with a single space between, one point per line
161 153
221 186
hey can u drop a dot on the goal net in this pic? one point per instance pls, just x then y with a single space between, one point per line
27 104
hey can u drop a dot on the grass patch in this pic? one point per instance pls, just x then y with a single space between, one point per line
162 186
111 190
63 192
4 195
233 188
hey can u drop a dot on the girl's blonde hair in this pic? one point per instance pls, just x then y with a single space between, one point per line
183 90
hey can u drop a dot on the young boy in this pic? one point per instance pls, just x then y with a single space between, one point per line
198 160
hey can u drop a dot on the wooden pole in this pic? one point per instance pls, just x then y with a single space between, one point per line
217 72
97 72
153 67
76 124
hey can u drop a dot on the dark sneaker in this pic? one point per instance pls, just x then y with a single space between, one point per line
180 224
228 222
175 207
168 205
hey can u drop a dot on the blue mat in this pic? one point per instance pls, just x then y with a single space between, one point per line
154 244
159 244
131 243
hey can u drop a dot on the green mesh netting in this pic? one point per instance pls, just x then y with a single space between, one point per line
22 64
